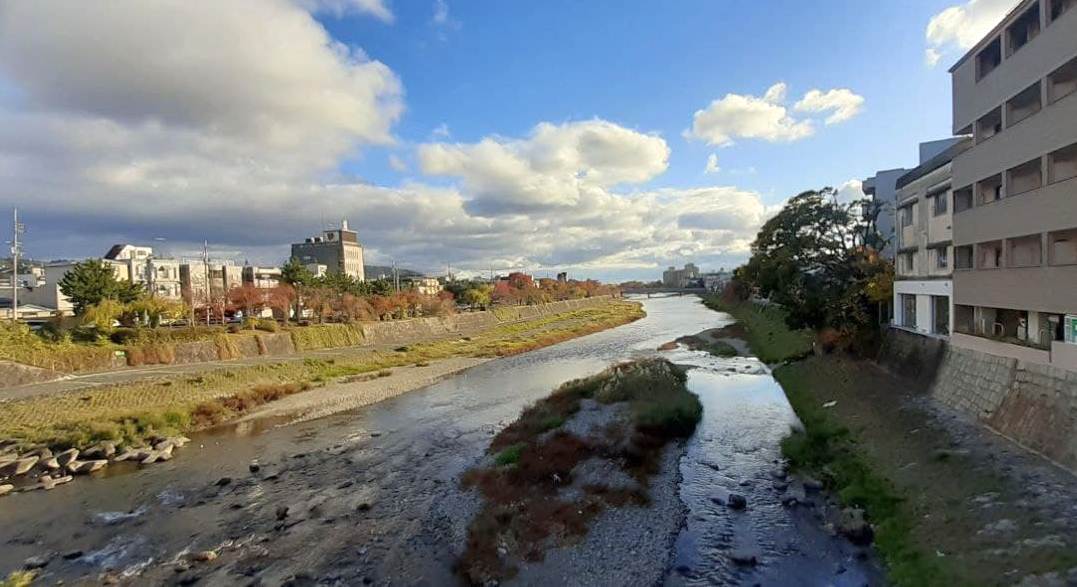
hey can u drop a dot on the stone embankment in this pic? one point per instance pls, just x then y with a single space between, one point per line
41 469
283 344
1033 405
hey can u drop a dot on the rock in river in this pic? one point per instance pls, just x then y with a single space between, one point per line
6 489
737 501
67 456
86 467
854 527
18 466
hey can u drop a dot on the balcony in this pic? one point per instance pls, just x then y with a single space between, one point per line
1041 288
1050 208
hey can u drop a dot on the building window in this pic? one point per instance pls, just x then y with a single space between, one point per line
908 310
907 263
1023 105
989 125
988 59
1062 164
1026 251
1024 178
962 199
989 255
1062 247
963 257
942 260
940 311
940 203
1024 29
905 215
989 190
1059 7
1062 82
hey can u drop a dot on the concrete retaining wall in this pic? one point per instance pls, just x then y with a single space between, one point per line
1032 404
912 356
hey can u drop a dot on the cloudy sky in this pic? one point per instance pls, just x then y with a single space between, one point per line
607 138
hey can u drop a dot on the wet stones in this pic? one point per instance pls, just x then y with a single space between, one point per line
737 501
48 482
854 527
6 489
744 557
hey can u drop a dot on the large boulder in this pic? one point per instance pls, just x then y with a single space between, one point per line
86 467
18 466
102 450
67 456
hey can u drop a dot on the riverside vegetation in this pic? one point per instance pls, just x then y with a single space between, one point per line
593 443
129 414
939 517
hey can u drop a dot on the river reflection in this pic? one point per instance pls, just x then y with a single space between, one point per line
406 450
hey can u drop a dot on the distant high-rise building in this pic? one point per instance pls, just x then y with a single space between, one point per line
339 250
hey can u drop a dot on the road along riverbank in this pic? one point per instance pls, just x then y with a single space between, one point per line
374 495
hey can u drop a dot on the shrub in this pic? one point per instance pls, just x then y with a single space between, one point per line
267 325
124 335
510 456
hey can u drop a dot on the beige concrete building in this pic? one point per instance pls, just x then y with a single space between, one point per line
339 250
923 291
1015 189
263 277
674 277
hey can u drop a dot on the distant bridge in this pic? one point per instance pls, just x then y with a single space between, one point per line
663 291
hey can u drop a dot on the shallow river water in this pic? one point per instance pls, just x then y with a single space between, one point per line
397 462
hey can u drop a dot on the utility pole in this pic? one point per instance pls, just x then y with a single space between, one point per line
16 230
396 277
209 288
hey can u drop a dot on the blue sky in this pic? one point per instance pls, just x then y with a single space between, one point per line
510 65
540 136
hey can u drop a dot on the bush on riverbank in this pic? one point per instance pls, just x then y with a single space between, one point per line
766 331
828 451
525 508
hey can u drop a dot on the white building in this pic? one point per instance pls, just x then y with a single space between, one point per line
923 285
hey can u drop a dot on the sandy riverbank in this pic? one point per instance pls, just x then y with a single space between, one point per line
345 395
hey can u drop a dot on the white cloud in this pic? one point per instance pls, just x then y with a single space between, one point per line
217 132
554 167
767 118
397 164
842 103
961 26
441 12
712 164
742 116
850 191
339 8
441 131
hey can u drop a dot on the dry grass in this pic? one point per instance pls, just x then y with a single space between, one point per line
78 418
523 514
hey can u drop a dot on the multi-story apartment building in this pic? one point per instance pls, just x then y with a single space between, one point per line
923 292
1015 189
264 277
162 277
882 189
339 250
674 277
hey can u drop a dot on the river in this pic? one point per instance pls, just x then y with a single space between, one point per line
371 495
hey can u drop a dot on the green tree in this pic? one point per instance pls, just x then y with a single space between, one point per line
818 258
93 280
295 273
